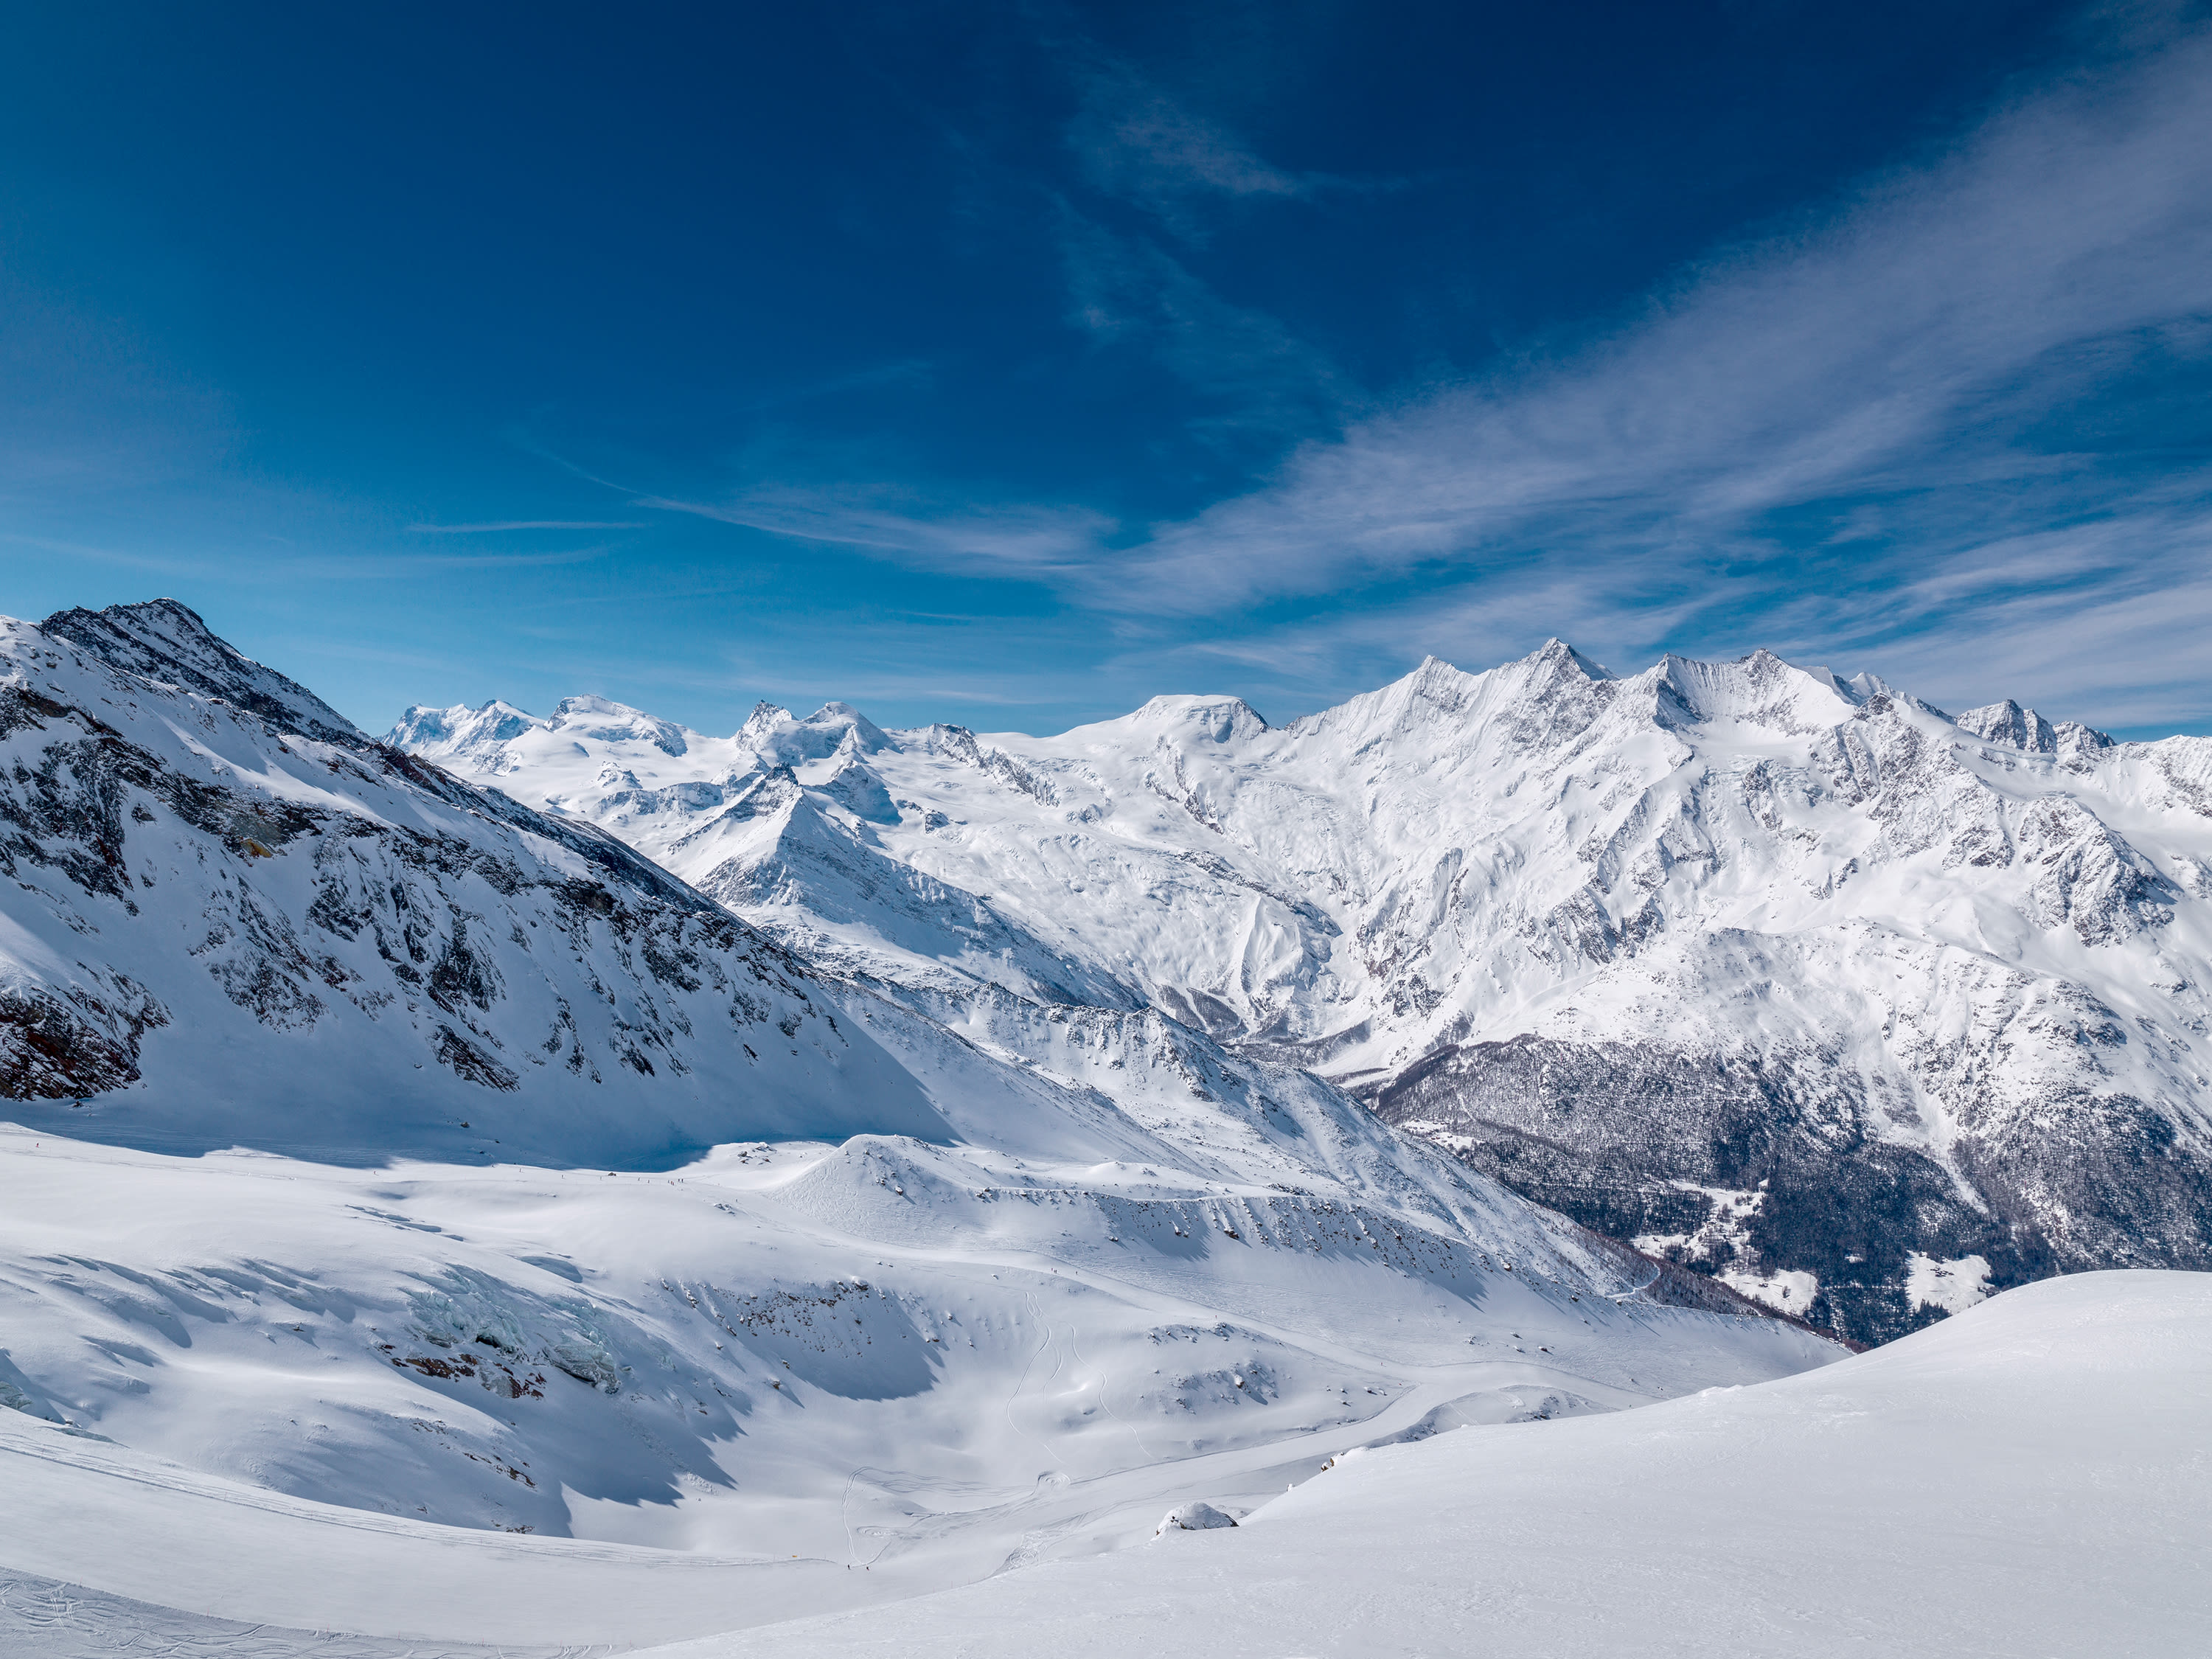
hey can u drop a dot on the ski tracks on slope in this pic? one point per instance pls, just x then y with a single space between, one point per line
1045 1342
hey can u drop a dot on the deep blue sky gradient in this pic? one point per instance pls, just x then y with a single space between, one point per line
1012 363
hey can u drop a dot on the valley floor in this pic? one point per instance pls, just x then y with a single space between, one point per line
2030 1477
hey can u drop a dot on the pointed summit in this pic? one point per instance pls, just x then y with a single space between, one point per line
1556 652
2007 722
165 641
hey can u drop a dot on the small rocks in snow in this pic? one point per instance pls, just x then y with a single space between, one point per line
1191 1517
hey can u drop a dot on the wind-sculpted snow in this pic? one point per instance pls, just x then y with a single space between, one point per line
1931 988
1883 1505
919 1359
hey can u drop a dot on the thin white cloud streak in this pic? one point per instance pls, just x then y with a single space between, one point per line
1022 540
2100 623
376 567
2115 640
524 524
1136 141
1790 371
162 564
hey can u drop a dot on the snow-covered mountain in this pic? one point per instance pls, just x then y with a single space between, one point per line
224 930
1865 1008
382 1142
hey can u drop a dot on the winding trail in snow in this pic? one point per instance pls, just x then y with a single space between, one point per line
1106 1399
1024 1382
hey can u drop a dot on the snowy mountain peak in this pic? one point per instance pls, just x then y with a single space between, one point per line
608 721
1557 654
782 741
1209 719
765 718
863 732
165 641
1759 690
2007 722
496 722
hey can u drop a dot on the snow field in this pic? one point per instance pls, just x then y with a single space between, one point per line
2029 1478
882 1365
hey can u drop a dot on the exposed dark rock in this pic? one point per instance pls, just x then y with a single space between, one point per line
1623 1138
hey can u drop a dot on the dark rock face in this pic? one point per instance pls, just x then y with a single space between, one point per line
53 1050
161 639
1641 1142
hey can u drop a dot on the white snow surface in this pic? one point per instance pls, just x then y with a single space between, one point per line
2031 1478
253 1389
2027 1477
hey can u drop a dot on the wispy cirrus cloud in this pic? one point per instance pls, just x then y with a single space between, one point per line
1922 402
1040 542
2099 621
501 525
1944 427
1137 142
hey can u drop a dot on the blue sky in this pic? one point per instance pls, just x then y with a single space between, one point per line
1011 364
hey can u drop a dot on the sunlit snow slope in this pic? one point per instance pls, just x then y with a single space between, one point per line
1865 1008
2028 1479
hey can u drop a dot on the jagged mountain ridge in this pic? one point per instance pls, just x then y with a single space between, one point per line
1865 1007
223 929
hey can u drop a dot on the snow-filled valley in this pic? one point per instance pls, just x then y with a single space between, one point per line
897 1365
575 1184
2028 1478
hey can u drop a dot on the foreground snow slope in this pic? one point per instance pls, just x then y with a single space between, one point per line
1867 1008
2028 1479
2033 1478
562 1406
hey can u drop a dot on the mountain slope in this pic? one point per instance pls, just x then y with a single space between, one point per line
1788 976
224 930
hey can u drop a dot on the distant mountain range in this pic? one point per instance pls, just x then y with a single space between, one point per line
1864 1008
